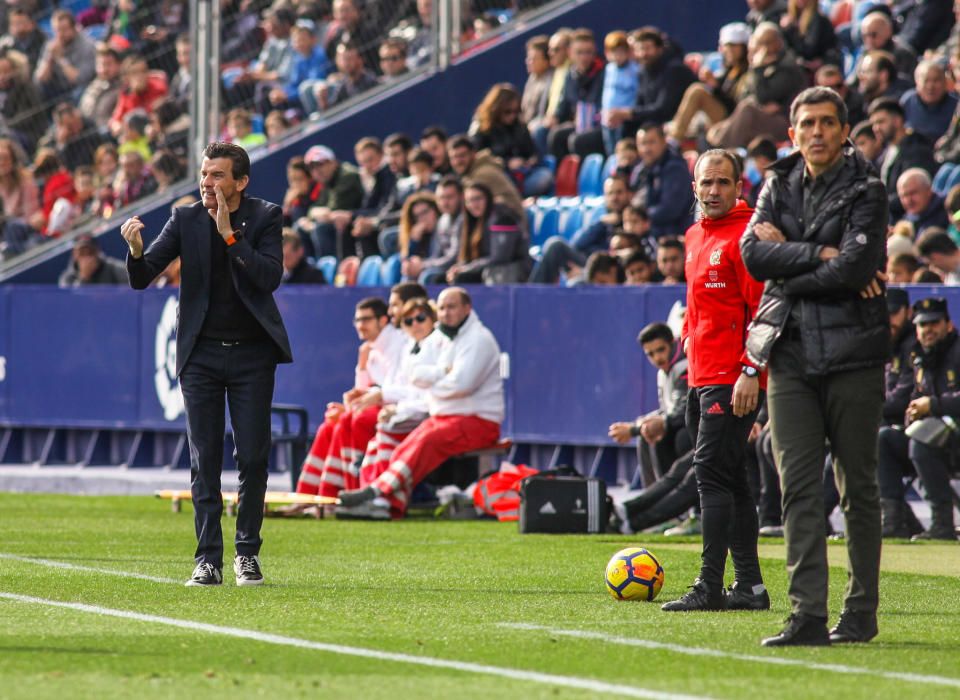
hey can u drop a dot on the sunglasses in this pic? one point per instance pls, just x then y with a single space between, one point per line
419 318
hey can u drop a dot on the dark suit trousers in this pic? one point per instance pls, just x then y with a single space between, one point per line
805 412
243 374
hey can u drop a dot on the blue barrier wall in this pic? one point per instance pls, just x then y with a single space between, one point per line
450 97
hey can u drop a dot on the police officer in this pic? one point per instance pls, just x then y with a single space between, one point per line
925 446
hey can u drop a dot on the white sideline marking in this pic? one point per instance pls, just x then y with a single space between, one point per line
772 660
78 567
465 666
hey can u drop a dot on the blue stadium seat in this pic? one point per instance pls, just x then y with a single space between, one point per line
531 218
590 181
952 181
369 273
548 222
570 222
784 151
328 266
942 176
256 123
593 215
610 165
390 270
550 162
96 31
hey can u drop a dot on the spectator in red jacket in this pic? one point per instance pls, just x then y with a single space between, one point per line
142 89
722 408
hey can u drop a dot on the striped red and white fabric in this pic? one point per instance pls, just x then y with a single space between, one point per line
379 453
348 443
312 469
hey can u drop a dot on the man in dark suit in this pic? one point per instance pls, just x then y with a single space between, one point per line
230 338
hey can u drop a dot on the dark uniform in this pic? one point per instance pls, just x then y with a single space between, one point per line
934 373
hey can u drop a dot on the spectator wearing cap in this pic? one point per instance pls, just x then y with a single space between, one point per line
903 148
88 265
240 129
924 207
99 99
296 268
392 55
272 66
809 34
929 107
352 78
73 137
310 65
899 370
933 390
342 190
715 96
942 254
67 62
142 89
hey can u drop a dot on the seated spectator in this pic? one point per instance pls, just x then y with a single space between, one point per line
933 396
901 268
169 129
536 91
715 96
16 236
134 180
432 267
578 107
809 34
466 404
354 27
351 79
142 89
487 169
941 252
342 190
133 137
670 261
241 37
302 191
558 50
876 30
497 127
240 129
764 11
868 143
18 190
422 178
393 60
67 63
924 207
181 81
484 25
952 205
433 140
379 185
877 77
20 107
774 80
924 26
561 256
88 265
620 85
627 156
638 268
671 493
85 186
417 33
167 169
56 186
276 124
493 247
273 64
106 165
829 75
661 184
99 98
603 269
418 225
761 154
309 67
23 35
904 148
929 107
72 136
396 148
296 268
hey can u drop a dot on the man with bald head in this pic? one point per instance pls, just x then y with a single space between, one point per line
929 107
922 206
465 400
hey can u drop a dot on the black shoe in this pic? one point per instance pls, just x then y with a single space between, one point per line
740 597
247 570
801 630
700 597
350 499
854 626
206 575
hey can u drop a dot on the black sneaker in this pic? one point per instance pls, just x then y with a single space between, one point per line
740 597
700 597
350 499
801 630
854 626
206 574
247 569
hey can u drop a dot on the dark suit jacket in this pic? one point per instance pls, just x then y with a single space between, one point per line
256 269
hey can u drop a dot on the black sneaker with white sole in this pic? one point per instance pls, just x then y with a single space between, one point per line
206 574
247 569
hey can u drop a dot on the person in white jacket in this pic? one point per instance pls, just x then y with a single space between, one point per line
465 400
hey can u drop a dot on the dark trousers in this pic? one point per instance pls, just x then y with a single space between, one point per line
805 412
899 456
243 373
769 480
557 255
669 497
728 512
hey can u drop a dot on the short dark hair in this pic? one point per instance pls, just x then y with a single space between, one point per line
540 43
461 141
886 63
864 128
815 96
655 331
450 181
908 260
239 157
368 142
408 290
434 131
934 241
638 255
653 126
639 210
729 156
398 139
762 146
420 156
670 242
375 304
649 34
890 105
602 262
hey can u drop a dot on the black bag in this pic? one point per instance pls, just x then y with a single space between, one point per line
563 501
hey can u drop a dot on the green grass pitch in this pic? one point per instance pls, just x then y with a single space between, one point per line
428 589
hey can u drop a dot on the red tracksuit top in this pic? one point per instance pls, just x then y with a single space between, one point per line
722 299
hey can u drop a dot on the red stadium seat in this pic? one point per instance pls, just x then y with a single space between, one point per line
694 60
841 12
691 158
567 171
347 272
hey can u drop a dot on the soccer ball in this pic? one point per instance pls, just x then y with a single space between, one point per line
634 574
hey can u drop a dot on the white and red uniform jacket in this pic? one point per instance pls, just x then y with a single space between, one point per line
465 381
384 359
410 400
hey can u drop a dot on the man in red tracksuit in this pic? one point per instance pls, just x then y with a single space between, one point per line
725 390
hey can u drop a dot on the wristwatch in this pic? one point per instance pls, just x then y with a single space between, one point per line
750 371
233 238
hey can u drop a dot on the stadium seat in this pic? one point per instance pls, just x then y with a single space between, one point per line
347 272
547 226
590 180
96 31
566 184
610 165
256 123
942 176
841 13
390 270
328 266
531 218
691 158
570 222
593 215
952 181
550 162
369 273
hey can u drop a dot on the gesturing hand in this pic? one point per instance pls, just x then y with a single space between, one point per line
222 214
130 230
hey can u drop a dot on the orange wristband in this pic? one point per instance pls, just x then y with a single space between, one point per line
231 239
